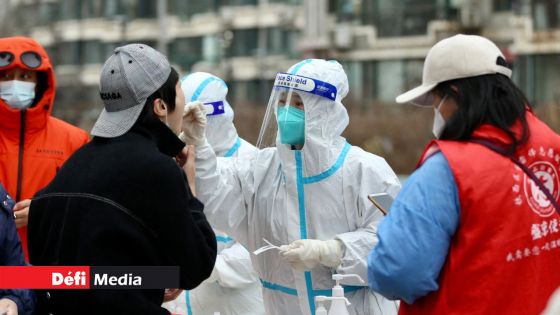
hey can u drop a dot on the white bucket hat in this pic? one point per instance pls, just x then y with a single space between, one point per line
459 56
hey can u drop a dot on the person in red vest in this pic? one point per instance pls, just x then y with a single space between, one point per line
33 144
475 229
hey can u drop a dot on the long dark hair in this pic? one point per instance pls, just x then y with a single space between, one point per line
487 99
167 93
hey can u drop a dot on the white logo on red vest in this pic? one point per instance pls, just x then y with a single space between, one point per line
537 200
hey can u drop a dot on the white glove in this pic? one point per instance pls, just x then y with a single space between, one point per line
194 124
304 255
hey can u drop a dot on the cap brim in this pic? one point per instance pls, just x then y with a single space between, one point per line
114 124
417 96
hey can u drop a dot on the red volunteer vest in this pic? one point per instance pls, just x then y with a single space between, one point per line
505 255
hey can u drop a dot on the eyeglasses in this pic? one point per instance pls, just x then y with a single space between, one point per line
30 59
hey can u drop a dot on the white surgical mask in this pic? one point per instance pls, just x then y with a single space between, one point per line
17 94
439 122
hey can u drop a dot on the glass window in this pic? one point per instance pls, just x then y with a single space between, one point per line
292 2
179 7
113 7
253 92
145 9
369 82
244 43
354 72
545 14
344 10
69 53
48 12
186 52
52 52
70 9
412 76
92 9
107 49
397 76
186 9
93 52
238 2
524 75
537 76
503 5
403 17
293 37
276 41
389 80
212 48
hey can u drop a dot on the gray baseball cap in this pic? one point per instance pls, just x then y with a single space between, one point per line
128 78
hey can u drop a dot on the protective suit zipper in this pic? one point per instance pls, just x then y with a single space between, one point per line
20 156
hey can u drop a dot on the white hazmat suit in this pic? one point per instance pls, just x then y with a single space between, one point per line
234 287
285 195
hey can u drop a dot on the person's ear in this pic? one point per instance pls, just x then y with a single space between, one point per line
160 108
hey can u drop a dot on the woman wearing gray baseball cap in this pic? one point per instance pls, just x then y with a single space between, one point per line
122 199
474 229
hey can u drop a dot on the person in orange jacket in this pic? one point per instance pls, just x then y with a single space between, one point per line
33 144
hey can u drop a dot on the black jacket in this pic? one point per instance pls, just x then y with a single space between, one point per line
119 202
11 253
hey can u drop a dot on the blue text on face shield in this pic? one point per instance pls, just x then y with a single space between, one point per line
291 124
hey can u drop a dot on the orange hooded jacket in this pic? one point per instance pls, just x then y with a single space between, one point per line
33 145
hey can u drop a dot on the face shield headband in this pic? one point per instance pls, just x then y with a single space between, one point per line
287 91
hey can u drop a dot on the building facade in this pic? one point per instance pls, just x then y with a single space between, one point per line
381 43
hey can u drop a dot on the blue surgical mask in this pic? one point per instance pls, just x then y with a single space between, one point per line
291 124
17 94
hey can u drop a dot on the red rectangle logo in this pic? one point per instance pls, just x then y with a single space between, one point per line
43 277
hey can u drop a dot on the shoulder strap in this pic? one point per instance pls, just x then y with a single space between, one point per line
503 152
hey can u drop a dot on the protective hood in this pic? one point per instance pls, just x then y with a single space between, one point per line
212 91
37 115
325 115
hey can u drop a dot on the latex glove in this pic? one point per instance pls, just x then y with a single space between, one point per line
194 124
304 255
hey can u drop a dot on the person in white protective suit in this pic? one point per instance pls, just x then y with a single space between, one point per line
234 287
220 131
308 193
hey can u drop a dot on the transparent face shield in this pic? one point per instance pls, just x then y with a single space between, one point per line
286 109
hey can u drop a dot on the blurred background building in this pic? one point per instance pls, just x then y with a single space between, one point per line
381 44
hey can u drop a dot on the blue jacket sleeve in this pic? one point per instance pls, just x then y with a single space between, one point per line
11 254
414 238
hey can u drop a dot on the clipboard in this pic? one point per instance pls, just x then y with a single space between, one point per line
381 201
